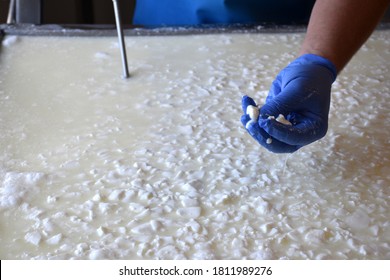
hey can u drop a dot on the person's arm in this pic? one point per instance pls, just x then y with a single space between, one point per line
338 28
301 92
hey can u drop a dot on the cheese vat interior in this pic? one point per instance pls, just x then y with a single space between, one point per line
158 166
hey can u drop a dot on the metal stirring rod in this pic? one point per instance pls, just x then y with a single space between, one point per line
121 40
11 12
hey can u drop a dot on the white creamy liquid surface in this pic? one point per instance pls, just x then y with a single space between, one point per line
158 166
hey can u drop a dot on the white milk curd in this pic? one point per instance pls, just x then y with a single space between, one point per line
158 166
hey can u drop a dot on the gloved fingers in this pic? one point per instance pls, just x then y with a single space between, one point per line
273 108
259 134
264 139
275 89
246 101
303 132
245 119
290 99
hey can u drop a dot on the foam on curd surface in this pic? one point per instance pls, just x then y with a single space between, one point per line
158 166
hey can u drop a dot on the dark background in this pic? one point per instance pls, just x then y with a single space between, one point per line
78 11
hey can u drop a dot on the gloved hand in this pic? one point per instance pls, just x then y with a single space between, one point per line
301 93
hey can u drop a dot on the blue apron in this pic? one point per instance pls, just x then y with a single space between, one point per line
194 12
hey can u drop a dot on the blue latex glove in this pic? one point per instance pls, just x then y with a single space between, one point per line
301 92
